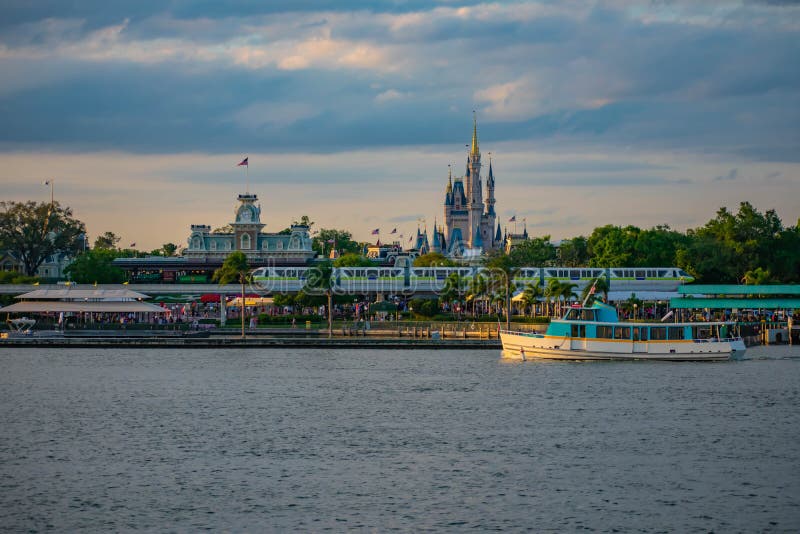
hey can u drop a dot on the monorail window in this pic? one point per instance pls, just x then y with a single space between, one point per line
662 273
622 332
605 332
674 332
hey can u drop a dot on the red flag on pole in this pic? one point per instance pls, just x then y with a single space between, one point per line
244 162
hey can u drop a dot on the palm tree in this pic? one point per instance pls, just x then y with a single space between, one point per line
530 296
453 290
757 277
234 269
600 285
321 279
477 289
502 270
551 292
567 292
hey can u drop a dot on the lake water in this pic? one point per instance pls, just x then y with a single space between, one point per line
255 440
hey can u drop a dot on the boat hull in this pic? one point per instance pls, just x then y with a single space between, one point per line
525 346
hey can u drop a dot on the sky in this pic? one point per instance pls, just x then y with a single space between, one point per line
595 111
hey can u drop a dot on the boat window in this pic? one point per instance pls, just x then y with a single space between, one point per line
605 332
578 330
622 332
643 333
587 315
658 332
571 315
675 332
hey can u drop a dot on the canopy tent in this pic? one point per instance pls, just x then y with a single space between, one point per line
250 301
616 296
82 294
82 300
46 306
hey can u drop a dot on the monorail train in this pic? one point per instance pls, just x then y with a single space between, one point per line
433 279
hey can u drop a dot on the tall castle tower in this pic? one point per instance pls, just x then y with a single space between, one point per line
469 222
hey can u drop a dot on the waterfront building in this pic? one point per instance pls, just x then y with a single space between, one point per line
246 236
206 249
469 221
52 268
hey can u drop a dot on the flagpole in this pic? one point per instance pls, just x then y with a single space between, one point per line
247 173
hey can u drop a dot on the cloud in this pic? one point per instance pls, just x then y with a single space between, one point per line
732 174
389 95
293 75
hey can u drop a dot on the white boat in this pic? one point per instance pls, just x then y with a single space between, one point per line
595 333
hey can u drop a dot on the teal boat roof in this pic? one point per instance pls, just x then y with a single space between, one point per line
744 290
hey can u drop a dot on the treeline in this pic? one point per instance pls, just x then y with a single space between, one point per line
742 247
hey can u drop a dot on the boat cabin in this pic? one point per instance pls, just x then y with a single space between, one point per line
600 321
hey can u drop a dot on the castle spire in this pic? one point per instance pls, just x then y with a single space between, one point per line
449 179
475 151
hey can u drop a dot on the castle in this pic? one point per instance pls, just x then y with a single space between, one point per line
470 224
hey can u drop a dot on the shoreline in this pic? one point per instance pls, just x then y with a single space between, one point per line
253 342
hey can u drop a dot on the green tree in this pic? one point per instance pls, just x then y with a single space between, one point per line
574 252
708 260
424 307
234 269
785 266
107 241
613 246
750 236
658 247
502 270
534 252
321 280
95 265
352 260
341 239
169 249
433 259
33 231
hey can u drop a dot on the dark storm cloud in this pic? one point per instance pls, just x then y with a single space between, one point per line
208 76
